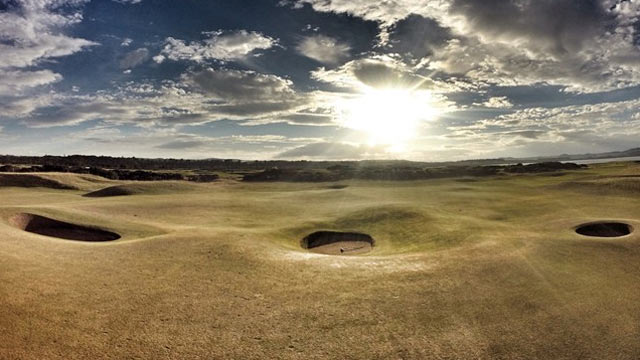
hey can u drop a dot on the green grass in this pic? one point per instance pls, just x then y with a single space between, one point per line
485 269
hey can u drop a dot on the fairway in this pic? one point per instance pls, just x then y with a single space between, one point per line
480 268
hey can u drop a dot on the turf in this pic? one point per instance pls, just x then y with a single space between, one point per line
480 268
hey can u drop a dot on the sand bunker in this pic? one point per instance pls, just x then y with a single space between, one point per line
338 243
49 227
117 190
604 229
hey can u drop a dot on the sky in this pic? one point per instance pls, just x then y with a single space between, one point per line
426 80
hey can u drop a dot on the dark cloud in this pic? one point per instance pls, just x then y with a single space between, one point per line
181 144
254 108
556 26
240 85
380 74
528 134
417 36
309 119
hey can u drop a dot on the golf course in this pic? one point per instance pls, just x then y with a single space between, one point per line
467 267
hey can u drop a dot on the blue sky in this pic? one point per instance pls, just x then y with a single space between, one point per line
319 79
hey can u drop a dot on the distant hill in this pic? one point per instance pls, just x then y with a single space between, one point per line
613 154
234 165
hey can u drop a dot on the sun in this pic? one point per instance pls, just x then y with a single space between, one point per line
388 116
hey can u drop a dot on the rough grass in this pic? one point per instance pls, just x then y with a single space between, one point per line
485 269
613 185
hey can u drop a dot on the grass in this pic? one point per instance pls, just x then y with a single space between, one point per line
461 269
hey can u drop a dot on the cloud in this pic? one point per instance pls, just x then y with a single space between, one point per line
219 45
240 84
199 97
606 124
385 12
18 81
417 37
309 118
555 27
527 134
31 33
134 58
375 72
181 144
323 49
583 46
332 151
159 58
500 102
443 49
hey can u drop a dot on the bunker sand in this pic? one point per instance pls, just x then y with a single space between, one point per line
343 248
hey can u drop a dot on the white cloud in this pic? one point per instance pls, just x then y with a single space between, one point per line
219 45
498 102
386 12
201 96
323 49
18 81
159 59
126 42
31 34
606 125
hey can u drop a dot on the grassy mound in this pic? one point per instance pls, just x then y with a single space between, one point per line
32 181
396 228
156 188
